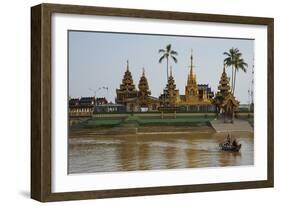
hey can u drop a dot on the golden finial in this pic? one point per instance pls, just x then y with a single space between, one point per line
143 72
191 64
191 57
171 73
127 65
224 65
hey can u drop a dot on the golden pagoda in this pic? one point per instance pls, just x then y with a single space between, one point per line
144 91
170 97
127 88
225 101
197 97
191 89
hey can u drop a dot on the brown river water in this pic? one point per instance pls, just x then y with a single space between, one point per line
88 153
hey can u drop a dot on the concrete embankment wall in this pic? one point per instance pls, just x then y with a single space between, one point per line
236 126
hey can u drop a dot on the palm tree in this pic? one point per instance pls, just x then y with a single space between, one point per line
166 54
229 61
235 60
239 64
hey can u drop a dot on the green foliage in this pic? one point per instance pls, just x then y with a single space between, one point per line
236 62
166 54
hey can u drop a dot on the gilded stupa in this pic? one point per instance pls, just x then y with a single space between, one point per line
191 89
196 95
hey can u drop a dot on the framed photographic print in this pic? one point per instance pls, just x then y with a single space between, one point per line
130 102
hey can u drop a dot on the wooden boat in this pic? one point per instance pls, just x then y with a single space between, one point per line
230 147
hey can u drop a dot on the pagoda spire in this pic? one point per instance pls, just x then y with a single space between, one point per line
191 79
191 63
191 57
127 68
143 72
191 89
171 72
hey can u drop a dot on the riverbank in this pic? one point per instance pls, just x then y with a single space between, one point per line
112 121
149 124
150 119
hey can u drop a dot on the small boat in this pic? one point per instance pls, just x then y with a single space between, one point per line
228 147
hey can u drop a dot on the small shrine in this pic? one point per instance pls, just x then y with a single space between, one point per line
229 107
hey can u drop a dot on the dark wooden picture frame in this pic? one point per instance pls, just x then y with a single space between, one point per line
41 101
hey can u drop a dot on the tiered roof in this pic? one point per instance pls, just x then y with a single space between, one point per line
143 86
127 81
170 94
171 86
224 87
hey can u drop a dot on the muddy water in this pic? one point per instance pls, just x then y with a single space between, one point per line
108 153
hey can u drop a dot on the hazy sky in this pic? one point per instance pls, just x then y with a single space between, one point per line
98 59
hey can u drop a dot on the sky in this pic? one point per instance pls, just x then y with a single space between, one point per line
98 59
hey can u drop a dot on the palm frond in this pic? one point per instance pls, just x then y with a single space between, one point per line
173 52
161 58
241 64
226 53
174 58
228 61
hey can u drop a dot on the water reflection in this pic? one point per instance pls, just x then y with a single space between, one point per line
109 153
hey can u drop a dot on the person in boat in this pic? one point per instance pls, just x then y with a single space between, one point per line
228 140
234 143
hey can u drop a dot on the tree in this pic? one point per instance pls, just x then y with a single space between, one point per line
236 62
166 54
231 55
239 64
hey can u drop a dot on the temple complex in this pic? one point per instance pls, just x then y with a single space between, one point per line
197 97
